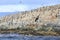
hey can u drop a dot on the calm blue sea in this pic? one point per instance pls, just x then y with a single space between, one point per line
22 37
6 13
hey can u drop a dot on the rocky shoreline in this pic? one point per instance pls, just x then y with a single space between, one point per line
40 21
30 32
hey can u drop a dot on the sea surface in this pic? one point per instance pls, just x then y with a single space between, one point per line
26 37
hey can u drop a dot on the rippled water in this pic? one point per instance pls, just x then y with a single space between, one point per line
22 37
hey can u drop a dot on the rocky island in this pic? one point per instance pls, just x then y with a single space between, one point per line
41 21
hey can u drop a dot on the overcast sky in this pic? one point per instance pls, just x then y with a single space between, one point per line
22 5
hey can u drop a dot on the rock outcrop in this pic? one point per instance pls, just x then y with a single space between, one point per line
41 19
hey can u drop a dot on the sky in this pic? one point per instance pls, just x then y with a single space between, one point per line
10 6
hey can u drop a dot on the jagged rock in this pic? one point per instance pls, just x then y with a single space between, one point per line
44 18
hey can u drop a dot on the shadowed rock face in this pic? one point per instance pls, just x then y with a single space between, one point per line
41 19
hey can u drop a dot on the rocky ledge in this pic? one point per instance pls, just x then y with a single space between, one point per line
40 21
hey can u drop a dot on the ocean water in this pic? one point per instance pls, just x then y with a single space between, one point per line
25 37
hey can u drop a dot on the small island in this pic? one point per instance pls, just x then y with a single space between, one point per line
43 21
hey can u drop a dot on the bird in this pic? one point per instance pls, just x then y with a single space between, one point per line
36 18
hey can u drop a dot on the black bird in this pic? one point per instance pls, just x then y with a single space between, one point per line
36 18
